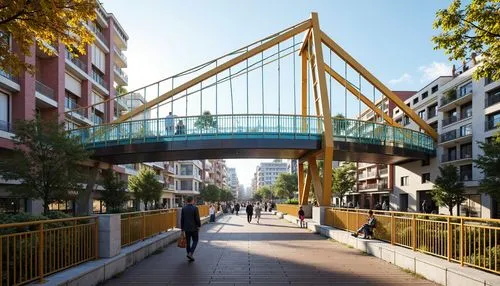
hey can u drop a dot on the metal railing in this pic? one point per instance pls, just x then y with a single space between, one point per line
77 62
252 126
468 241
120 54
30 251
120 72
292 210
99 79
368 186
9 76
448 136
71 105
136 226
449 120
383 171
45 90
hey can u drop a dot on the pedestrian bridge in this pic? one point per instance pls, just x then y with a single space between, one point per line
251 136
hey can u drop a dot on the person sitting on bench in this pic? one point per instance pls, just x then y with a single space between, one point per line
367 228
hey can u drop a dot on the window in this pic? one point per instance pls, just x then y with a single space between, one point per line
403 202
434 89
466 89
98 58
406 120
424 95
432 111
415 100
492 97
466 151
492 121
421 114
452 154
4 112
408 104
466 130
405 181
487 80
396 112
434 125
466 111
466 173
426 177
471 207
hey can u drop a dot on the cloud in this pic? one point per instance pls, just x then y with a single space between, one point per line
433 71
405 78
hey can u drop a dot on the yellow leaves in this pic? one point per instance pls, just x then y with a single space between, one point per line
46 22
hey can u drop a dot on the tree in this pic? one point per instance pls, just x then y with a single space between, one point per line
448 191
44 22
265 192
45 161
146 187
206 121
210 193
470 29
344 179
257 196
121 90
226 195
489 163
285 186
114 194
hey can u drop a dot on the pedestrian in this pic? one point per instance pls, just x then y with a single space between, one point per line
211 212
237 208
385 206
258 211
249 210
169 124
190 225
301 217
180 128
367 228
265 206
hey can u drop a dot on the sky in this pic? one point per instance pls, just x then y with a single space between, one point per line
392 39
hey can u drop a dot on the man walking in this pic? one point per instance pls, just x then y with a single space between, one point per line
169 124
237 208
190 224
249 211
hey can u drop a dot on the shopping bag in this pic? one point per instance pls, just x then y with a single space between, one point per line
181 242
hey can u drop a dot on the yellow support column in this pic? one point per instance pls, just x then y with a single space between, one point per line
313 172
325 112
300 181
306 188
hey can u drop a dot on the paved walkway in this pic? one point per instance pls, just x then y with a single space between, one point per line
232 252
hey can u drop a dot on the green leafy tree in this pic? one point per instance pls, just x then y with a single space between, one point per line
448 191
265 192
45 161
344 179
285 186
211 193
120 90
257 196
146 187
115 193
226 195
489 163
205 121
44 22
468 29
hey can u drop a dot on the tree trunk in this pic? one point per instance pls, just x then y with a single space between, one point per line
451 210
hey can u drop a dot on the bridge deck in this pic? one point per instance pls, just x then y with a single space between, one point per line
232 252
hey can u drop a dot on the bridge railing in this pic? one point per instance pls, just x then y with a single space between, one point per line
30 251
136 226
248 126
468 241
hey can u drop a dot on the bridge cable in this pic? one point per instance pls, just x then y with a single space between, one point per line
345 90
247 73
262 81
232 105
216 91
201 97
279 89
294 91
331 100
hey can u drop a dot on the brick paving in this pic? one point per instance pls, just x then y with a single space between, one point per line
233 252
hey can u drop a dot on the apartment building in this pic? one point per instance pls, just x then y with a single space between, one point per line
234 183
413 180
63 82
215 173
267 172
187 179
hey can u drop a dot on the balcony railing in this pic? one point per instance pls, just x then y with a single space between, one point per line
121 72
453 95
491 124
466 176
120 54
448 136
6 126
368 186
99 79
69 104
99 35
45 90
383 171
77 62
448 157
432 113
9 76
492 99
454 118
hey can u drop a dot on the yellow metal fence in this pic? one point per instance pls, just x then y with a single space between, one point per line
137 226
468 241
203 210
31 250
288 209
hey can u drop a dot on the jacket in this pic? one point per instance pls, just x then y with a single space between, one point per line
190 218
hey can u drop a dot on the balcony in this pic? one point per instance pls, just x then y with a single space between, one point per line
445 158
383 172
76 65
9 81
454 118
120 38
45 96
79 114
492 99
99 79
431 114
99 35
452 98
121 58
6 126
122 78
491 124
466 176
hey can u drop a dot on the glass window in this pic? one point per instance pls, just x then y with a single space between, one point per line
471 207
466 130
421 114
4 112
466 89
424 95
415 100
466 151
434 89
426 177
466 111
466 172
404 181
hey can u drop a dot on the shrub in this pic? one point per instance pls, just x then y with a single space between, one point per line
292 202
